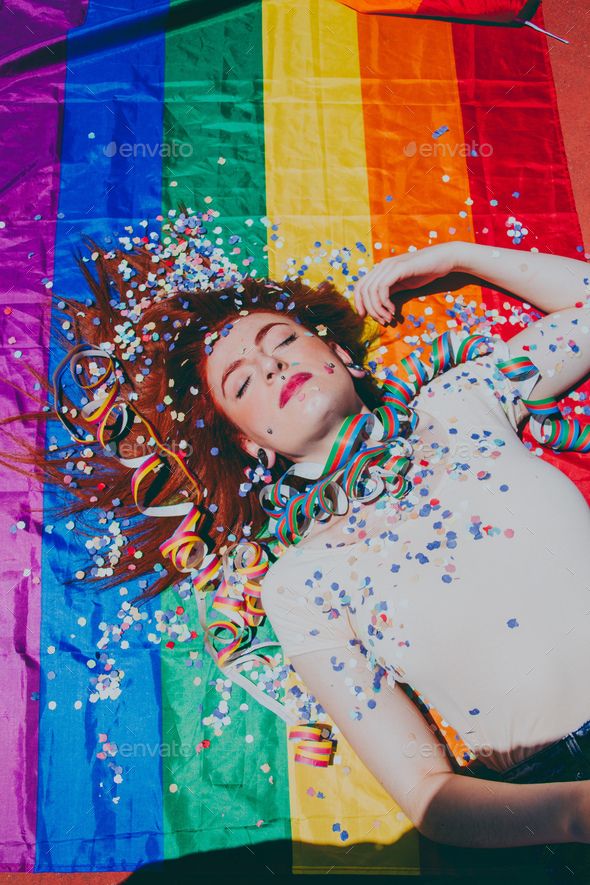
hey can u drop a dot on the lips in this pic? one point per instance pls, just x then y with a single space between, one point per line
292 385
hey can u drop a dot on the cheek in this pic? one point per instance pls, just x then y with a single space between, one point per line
247 417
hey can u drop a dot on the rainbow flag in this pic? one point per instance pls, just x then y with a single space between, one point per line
326 139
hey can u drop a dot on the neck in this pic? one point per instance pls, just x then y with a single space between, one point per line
319 452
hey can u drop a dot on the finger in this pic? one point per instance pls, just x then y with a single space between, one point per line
366 287
358 302
376 309
359 295
384 299
379 304
380 292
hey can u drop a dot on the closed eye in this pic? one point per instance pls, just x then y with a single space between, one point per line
288 340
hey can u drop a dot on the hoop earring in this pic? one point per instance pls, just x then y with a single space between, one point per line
353 365
262 458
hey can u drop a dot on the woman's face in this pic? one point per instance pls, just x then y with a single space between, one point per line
251 373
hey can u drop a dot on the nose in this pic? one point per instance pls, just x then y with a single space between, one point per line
272 365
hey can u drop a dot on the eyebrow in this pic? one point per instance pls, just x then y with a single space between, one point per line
236 363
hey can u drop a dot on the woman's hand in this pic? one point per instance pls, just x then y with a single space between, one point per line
373 292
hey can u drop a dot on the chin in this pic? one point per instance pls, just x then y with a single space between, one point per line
318 406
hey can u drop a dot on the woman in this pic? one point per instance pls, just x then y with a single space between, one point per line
469 581
480 602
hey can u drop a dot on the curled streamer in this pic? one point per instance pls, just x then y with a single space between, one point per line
185 547
239 598
315 746
355 470
547 424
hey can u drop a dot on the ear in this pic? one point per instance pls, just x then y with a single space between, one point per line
346 358
251 448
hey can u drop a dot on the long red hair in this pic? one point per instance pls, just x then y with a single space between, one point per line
172 395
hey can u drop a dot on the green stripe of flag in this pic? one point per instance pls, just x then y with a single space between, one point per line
214 109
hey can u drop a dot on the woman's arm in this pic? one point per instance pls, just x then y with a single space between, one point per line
558 344
392 738
550 282
470 811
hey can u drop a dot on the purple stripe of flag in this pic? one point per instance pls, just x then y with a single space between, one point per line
31 116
